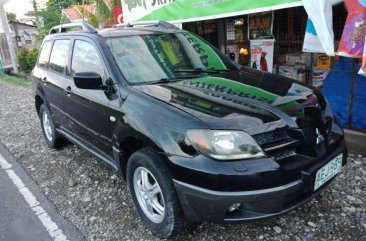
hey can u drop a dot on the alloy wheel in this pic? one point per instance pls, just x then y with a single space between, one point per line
149 194
47 126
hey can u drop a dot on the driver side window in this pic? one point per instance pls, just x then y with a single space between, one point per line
85 59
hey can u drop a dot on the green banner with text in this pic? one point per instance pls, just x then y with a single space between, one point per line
177 11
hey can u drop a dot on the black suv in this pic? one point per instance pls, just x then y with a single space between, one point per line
196 136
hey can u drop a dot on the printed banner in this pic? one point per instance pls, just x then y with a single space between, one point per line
260 25
353 38
261 54
178 11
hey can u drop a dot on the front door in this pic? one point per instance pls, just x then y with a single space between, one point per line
87 110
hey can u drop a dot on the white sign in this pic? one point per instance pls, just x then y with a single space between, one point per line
134 10
261 54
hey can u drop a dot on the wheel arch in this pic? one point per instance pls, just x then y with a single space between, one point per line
129 144
38 103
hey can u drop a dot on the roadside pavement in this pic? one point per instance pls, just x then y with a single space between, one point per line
25 213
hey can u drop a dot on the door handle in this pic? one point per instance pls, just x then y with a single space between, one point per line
68 91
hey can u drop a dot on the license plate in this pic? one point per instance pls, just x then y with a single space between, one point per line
328 171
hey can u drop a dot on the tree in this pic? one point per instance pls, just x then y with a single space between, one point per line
11 16
103 12
51 15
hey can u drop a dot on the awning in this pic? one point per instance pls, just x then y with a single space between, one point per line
178 11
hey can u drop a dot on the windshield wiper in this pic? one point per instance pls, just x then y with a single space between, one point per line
169 80
200 70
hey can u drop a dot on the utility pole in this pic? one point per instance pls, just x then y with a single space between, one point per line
35 9
4 23
83 12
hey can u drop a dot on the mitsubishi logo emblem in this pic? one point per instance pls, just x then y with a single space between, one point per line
319 136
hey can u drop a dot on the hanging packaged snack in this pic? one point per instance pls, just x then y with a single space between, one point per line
353 38
363 62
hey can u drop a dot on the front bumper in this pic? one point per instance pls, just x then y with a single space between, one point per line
204 205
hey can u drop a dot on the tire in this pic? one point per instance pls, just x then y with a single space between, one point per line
161 225
52 138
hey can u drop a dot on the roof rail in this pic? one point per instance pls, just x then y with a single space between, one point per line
63 28
154 24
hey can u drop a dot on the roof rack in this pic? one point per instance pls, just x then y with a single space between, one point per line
154 24
68 27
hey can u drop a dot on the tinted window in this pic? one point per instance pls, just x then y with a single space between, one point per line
85 58
59 54
45 53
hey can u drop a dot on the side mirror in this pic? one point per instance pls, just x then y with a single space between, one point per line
89 80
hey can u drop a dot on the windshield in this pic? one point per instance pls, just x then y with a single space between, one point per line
154 57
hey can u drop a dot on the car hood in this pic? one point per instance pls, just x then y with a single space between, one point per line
245 99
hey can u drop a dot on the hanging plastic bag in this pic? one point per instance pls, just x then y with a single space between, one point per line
319 27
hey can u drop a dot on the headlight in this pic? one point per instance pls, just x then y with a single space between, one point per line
224 145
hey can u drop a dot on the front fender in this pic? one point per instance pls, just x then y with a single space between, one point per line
156 124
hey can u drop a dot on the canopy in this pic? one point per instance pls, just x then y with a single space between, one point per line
178 11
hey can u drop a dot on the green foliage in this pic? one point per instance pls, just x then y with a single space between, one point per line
60 4
27 59
16 81
103 12
11 16
51 15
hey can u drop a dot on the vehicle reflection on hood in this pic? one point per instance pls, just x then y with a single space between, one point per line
254 99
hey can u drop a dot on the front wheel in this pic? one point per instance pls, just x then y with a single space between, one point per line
153 194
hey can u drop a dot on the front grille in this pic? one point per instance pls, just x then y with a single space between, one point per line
277 144
267 137
282 154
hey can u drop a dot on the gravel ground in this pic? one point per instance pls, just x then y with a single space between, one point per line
98 203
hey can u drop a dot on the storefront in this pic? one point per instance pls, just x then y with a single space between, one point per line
226 25
230 35
236 27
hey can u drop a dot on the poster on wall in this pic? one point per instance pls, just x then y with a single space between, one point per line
353 38
261 54
323 61
260 25
178 11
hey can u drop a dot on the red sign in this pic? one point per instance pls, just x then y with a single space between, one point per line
118 15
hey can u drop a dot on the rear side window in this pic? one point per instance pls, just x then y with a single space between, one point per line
45 54
85 58
59 56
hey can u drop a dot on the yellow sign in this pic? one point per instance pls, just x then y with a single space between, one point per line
323 61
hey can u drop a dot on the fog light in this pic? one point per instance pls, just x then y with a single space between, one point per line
234 207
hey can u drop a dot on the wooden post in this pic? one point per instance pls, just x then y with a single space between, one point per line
312 57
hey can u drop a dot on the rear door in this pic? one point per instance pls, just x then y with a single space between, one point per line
87 110
52 74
